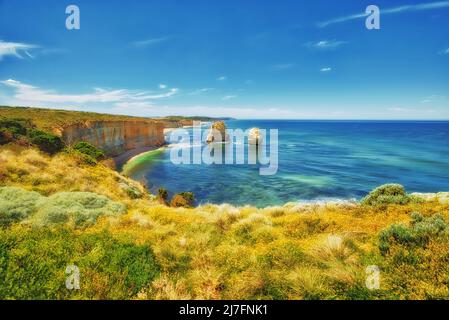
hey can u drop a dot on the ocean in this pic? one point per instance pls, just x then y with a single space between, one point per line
318 160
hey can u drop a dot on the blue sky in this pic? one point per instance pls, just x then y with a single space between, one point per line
286 59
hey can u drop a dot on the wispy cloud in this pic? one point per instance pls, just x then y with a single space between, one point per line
400 109
200 91
29 94
150 42
445 51
15 49
282 66
325 44
326 69
394 10
228 97
222 78
434 99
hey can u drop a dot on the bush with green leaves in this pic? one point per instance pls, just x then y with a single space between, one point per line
16 205
131 190
46 142
88 149
79 209
13 129
17 127
183 199
6 136
33 264
420 232
387 194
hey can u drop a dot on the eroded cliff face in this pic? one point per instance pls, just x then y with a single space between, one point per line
115 137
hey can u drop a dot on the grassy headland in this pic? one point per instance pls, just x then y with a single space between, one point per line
67 207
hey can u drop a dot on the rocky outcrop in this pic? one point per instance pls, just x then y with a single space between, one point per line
116 137
217 132
255 137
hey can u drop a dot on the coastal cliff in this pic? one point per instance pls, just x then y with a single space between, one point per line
115 137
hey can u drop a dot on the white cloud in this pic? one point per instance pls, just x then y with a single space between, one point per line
130 105
222 78
200 91
29 95
228 97
15 49
326 69
445 51
282 66
433 99
162 86
325 44
400 109
150 42
395 10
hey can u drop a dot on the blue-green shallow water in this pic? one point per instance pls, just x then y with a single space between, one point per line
317 160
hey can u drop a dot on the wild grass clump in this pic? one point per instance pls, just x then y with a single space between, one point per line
418 234
78 208
415 258
388 194
33 265
16 205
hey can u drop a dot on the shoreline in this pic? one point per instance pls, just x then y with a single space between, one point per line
122 159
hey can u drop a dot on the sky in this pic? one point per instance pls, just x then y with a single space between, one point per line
283 59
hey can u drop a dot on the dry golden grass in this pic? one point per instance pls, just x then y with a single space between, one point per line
224 252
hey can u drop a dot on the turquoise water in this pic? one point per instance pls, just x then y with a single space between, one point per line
318 160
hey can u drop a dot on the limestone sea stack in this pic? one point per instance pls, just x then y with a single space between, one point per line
217 131
255 137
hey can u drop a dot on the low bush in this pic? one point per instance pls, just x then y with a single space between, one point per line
131 190
80 209
6 136
183 199
420 232
46 142
90 150
162 193
16 205
387 194
33 264
17 127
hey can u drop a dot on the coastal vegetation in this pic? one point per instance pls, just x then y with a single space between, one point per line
59 209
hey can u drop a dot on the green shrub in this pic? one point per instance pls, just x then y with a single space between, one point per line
132 191
6 136
33 264
78 208
387 194
90 150
16 205
183 199
162 195
46 142
17 127
420 232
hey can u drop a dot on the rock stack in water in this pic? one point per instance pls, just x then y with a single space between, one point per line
254 136
218 129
